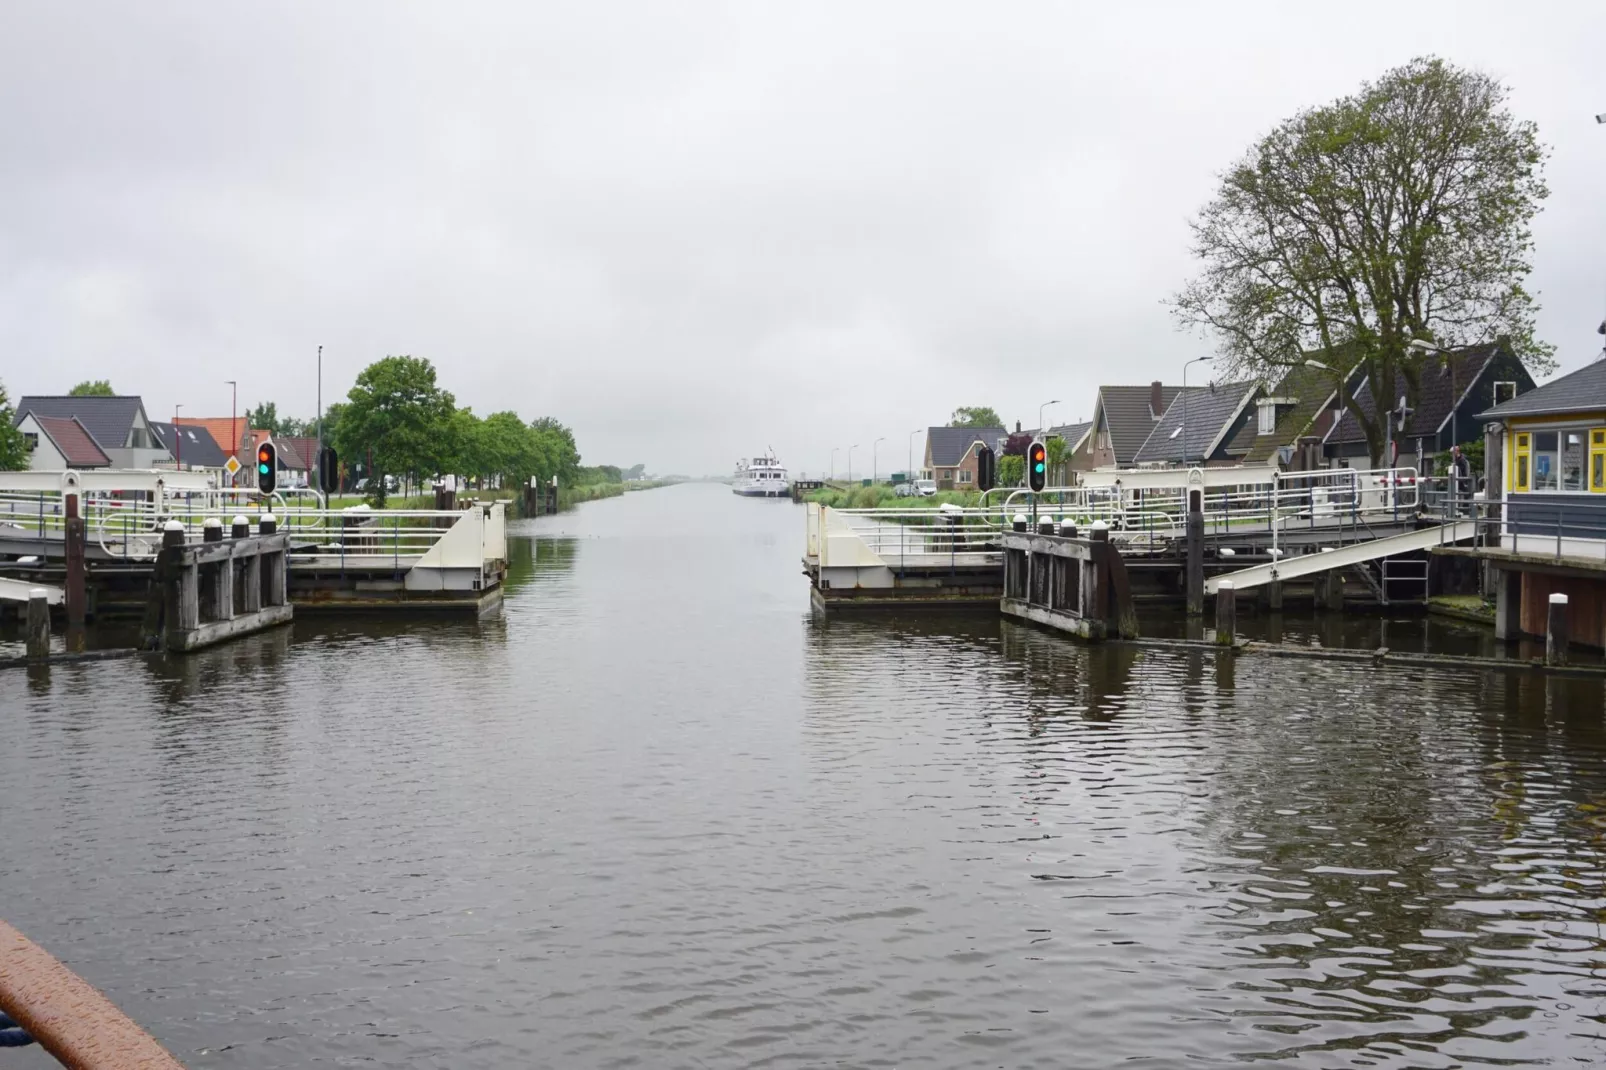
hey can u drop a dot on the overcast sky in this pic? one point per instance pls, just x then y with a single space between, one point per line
689 231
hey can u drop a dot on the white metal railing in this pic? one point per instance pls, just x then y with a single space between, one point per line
1344 501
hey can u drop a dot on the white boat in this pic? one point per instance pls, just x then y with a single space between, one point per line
762 477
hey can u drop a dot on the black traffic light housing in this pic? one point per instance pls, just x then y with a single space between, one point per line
1036 466
328 470
986 468
267 467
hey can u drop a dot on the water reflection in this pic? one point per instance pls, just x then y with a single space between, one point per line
655 813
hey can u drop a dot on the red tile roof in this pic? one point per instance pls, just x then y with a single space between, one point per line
77 445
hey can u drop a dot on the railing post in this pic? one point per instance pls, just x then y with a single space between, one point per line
1556 631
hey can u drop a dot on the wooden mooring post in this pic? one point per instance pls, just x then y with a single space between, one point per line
1226 613
1556 638
37 641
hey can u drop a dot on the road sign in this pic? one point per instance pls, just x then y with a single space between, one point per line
232 466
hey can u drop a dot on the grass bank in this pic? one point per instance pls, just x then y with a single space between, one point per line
882 496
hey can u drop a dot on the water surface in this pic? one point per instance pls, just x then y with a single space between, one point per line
654 814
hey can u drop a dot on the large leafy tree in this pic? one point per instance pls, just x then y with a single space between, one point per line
975 416
13 447
265 417
398 412
93 388
1402 212
560 456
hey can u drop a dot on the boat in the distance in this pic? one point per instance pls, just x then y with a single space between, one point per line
762 477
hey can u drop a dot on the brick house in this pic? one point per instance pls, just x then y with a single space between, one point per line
950 458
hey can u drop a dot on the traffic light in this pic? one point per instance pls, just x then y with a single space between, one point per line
1036 466
267 467
986 468
328 470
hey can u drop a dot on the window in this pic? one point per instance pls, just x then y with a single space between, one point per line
1572 460
948 474
1546 466
1504 391
1597 461
1268 416
31 438
964 475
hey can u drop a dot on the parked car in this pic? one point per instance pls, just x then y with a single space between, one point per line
926 488
904 490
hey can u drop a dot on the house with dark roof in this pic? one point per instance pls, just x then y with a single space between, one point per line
950 457
1302 405
60 442
118 425
1545 463
1200 426
1123 419
193 448
1452 389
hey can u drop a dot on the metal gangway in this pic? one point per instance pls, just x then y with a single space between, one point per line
125 512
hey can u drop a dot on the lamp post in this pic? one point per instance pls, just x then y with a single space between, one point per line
1042 428
875 459
910 474
178 443
1185 364
834 451
850 461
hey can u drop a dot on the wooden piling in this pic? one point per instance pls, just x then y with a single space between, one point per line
75 538
1556 631
38 628
1274 596
1194 577
1226 613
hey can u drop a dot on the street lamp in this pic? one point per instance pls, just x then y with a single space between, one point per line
850 461
1042 428
910 474
875 468
1185 364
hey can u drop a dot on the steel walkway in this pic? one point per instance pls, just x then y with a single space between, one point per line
1344 556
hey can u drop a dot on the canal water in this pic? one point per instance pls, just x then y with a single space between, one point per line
654 814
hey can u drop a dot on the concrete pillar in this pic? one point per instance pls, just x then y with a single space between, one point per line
1556 631
1194 578
1507 604
38 628
1226 613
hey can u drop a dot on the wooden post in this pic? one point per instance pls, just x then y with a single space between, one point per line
1330 590
75 538
1508 604
1274 596
38 633
1556 631
1194 578
172 574
1226 613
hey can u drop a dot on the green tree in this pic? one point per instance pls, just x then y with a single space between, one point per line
265 417
1401 212
398 412
1011 470
13 447
559 455
93 388
975 416
1057 449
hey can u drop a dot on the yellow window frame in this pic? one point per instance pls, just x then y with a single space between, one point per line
1521 461
1597 460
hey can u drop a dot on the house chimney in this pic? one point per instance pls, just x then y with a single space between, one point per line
1155 412
1017 427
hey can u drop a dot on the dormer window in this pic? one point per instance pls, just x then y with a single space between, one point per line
1268 416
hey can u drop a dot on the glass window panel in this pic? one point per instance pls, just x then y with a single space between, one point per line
1572 460
1522 471
1597 471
